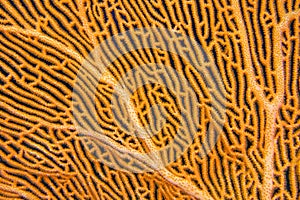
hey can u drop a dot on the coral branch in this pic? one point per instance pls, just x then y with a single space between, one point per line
278 56
185 185
46 38
271 108
247 54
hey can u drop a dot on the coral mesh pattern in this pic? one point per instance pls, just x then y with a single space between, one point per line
255 45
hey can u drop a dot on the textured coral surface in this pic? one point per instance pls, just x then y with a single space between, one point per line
255 48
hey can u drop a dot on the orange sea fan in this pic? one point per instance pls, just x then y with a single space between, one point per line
145 99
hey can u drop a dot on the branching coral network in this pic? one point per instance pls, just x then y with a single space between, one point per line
253 154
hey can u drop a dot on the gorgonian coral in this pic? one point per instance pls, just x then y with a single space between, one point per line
254 47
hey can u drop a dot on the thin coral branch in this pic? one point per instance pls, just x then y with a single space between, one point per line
248 61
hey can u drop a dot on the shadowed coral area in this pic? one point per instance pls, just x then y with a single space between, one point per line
254 46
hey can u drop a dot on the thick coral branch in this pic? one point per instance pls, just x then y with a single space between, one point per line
184 184
271 108
34 33
278 56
